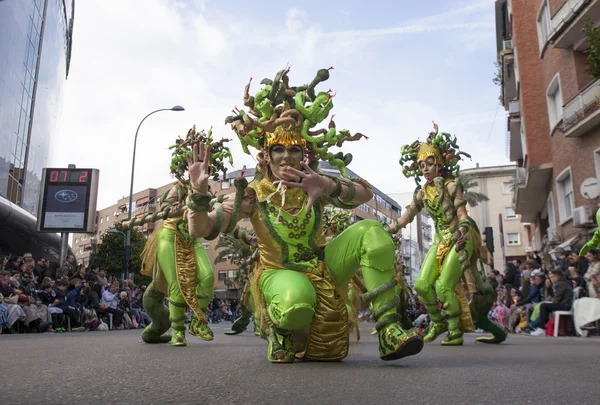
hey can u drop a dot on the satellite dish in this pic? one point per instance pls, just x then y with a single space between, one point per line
590 188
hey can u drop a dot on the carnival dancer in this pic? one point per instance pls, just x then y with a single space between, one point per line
455 252
178 264
299 283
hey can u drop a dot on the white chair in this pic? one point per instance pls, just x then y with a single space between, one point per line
557 314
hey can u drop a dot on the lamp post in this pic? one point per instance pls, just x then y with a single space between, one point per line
124 270
128 235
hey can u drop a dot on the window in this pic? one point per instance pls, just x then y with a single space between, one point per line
222 275
543 25
565 196
507 187
513 238
550 210
554 101
232 273
101 220
509 213
107 218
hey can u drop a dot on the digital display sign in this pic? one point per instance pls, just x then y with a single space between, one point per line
69 176
68 200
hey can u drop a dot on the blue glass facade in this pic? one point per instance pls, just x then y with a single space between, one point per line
34 49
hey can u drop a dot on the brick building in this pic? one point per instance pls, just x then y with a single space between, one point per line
553 115
381 208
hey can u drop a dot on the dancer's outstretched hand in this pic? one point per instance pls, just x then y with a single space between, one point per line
315 185
199 167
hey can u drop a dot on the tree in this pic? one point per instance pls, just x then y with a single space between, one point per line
109 254
473 198
592 61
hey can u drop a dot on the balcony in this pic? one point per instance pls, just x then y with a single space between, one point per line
581 113
514 107
515 151
569 20
509 81
527 199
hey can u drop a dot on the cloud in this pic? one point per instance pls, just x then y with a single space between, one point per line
157 53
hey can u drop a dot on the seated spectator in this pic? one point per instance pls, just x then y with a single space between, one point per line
577 279
592 276
562 300
59 291
110 301
40 267
80 274
581 263
38 317
10 312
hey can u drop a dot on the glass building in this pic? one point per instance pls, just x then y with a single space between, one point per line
35 46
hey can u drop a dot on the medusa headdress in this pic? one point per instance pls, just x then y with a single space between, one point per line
442 147
280 113
183 147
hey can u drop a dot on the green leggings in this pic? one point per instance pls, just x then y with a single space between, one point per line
291 297
204 276
445 279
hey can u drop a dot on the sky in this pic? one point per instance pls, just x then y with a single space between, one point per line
397 68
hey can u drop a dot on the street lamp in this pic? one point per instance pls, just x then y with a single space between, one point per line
128 236
124 270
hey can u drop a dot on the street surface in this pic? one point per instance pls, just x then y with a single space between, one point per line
115 368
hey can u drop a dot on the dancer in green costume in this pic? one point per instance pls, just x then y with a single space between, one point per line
299 284
178 264
455 252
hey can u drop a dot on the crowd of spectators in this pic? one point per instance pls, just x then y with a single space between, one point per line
528 293
38 296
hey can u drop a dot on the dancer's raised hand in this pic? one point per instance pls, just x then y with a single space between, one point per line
199 167
315 185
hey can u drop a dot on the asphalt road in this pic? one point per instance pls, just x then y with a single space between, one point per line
116 368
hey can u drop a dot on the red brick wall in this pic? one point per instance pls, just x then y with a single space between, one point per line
535 75
578 153
533 93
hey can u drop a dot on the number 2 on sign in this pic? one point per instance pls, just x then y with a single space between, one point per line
83 177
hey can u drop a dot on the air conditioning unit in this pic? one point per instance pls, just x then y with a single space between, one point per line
582 217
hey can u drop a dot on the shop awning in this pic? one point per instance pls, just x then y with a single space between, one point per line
566 245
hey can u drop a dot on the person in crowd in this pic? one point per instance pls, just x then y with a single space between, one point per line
80 274
561 262
581 263
109 304
576 279
592 276
40 268
562 299
60 290
38 317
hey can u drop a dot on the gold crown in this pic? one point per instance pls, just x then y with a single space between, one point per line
285 137
427 150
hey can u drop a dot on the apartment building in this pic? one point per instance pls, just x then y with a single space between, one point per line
553 116
381 208
416 237
496 182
